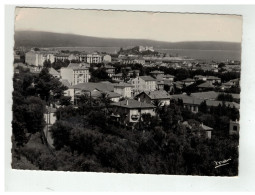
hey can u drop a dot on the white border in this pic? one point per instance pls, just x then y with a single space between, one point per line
60 181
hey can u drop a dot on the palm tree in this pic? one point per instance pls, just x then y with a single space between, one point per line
104 98
158 104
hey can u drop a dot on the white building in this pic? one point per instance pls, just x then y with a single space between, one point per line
144 83
94 58
37 58
107 58
75 73
123 89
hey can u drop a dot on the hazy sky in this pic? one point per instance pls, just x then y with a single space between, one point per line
170 27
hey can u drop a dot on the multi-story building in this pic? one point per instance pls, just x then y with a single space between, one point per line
110 70
131 111
76 73
150 96
143 83
37 58
156 73
123 89
94 58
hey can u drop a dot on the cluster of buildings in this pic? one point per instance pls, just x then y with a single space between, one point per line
136 95
37 58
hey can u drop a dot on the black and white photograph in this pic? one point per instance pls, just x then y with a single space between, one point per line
134 92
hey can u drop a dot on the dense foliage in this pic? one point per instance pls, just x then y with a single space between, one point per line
87 139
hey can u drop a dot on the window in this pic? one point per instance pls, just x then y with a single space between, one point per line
234 128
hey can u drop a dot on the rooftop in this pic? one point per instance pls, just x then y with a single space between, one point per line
122 85
206 85
77 66
106 87
147 78
65 83
52 71
154 95
130 103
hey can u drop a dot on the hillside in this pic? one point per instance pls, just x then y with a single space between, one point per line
49 39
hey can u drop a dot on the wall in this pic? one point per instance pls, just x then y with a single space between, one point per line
67 74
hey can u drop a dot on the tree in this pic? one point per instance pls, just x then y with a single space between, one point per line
158 104
124 74
65 100
203 107
60 132
47 64
34 115
225 97
48 86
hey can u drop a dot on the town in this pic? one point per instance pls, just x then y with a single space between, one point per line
135 110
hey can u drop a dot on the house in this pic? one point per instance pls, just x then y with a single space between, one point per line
69 91
201 130
93 58
110 70
193 103
206 86
131 73
123 89
200 77
37 58
188 81
118 77
156 73
75 73
150 96
144 83
234 127
95 90
54 73
160 85
49 115
61 57
132 60
107 58
130 111
168 77
213 79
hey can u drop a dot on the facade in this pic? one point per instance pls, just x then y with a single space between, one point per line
144 83
75 73
156 73
107 58
69 91
94 58
193 103
110 70
150 96
130 111
117 77
37 59
213 79
123 89
61 57
188 81
234 127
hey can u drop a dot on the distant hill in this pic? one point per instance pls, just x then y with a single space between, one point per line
49 39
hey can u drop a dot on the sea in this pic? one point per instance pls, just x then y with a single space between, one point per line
206 55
